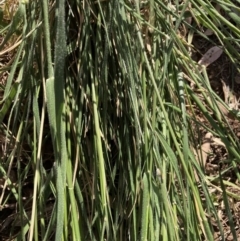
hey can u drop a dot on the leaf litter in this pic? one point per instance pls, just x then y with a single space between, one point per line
212 153
210 56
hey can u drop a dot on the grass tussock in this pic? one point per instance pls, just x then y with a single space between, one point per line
111 129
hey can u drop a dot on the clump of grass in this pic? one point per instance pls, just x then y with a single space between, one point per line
96 102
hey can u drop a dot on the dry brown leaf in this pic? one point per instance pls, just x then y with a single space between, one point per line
229 98
149 48
208 32
218 141
202 153
205 149
210 56
226 91
224 110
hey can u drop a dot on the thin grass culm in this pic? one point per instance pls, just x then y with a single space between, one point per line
119 120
